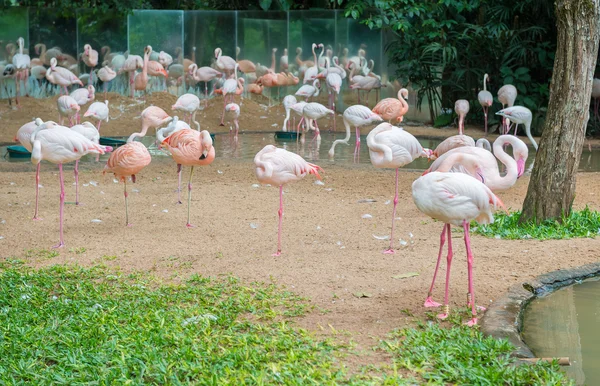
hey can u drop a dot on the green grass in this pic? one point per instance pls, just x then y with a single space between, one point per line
463 356
584 223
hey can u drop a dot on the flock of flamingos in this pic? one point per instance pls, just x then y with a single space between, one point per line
457 188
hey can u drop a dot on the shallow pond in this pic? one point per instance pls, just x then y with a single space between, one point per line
566 323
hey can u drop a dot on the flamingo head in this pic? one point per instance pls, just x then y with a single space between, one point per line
206 145
321 45
520 167
75 106
37 48
320 76
217 53
429 154
86 49
148 50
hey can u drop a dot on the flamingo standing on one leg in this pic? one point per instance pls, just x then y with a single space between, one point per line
88 130
60 145
98 111
67 107
128 160
24 137
83 96
90 58
162 134
485 99
233 110
392 147
278 167
392 108
22 63
357 116
229 88
190 148
519 115
189 104
507 96
141 79
288 102
461 107
106 74
456 199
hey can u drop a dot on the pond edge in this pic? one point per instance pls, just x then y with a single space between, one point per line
504 318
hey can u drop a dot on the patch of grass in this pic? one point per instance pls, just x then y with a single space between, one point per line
109 257
41 253
78 251
72 325
584 223
463 356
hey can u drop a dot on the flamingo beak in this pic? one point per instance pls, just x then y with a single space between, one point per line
204 154
520 167
481 177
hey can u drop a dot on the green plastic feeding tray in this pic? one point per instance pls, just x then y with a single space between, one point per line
287 135
112 142
212 136
17 151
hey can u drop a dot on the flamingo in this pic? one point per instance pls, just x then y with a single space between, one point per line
254 88
90 58
451 143
233 110
367 83
288 101
152 117
98 111
392 147
67 107
283 61
156 69
130 65
312 112
307 91
456 199
59 145
311 73
334 84
519 115
357 116
190 104
461 107
165 59
392 108
190 148
354 79
106 74
298 108
24 137
278 167
83 96
507 96
141 79
204 74
225 63
161 134
89 131
596 96
22 63
485 99
127 160
229 87
8 71
61 76
482 164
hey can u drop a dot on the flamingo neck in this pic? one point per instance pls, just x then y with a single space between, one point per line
484 81
512 172
384 151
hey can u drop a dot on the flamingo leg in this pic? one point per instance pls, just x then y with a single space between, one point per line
223 115
76 182
280 213
131 87
62 205
190 198
357 146
446 309
485 115
429 301
390 250
37 191
466 227
126 208
179 167
105 89
17 90
516 127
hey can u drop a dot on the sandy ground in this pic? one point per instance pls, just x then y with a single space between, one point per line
329 249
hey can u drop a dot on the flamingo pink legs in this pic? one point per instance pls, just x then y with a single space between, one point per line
126 209
429 301
390 250
357 147
280 213
37 191
485 114
76 182
189 225
471 294
62 205
179 167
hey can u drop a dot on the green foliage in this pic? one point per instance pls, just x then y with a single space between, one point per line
463 356
73 325
584 223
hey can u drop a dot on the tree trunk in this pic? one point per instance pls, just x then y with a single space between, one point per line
552 186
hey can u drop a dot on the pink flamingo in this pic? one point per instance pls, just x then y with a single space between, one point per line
354 79
312 112
229 89
392 108
156 69
190 148
152 117
298 108
283 61
507 96
128 160
98 111
59 145
189 104
482 164
307 91
83 96
596 96
22 63
225 63
278 167
392 147
90 58
311 73
24 137
204 74
67 107
485 99
357 116
233 111
89 131
131 64
519 115
451 143
254 88
141 79
456 199
61 76
288 102
106 74
334 84
461 107
161 134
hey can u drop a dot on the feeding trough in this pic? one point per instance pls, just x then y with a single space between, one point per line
17 151
286 135
112 142
212 136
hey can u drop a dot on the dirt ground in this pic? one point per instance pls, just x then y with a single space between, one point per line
330 252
